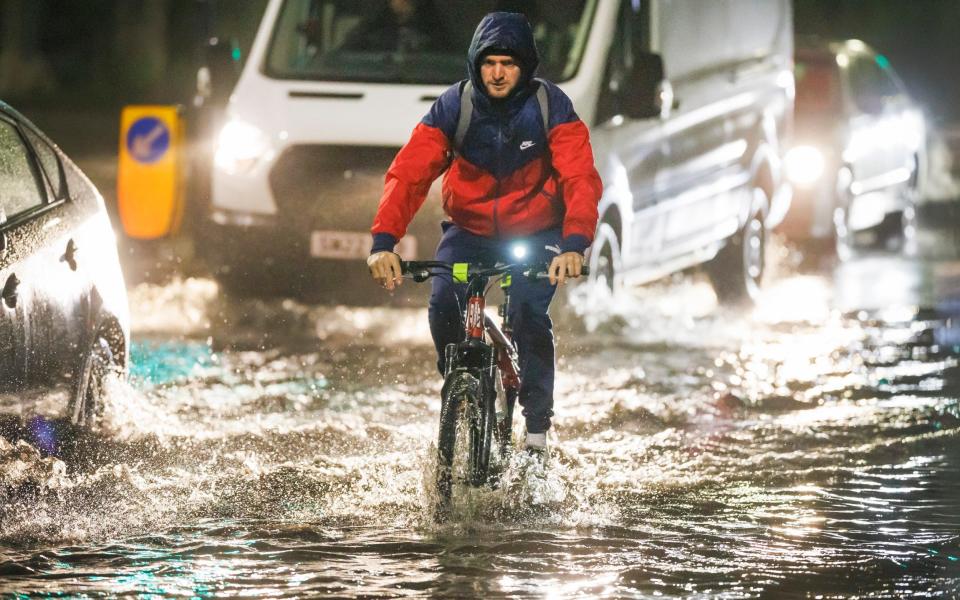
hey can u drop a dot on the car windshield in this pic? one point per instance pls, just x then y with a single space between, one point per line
818 86
412 41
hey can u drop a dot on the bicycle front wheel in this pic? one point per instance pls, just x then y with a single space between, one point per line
505 421
467 420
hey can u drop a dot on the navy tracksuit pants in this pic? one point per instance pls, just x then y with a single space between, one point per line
529 301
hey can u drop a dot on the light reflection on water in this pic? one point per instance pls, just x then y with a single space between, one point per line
158 362
699 452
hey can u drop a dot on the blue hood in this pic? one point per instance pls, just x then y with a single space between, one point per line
504 31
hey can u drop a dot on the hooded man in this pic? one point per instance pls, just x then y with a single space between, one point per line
510 176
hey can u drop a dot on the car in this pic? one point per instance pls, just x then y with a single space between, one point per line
688 105
858 151
64 318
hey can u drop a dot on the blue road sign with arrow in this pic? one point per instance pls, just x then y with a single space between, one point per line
148 139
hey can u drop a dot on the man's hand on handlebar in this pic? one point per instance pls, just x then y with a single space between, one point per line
568 264
385 269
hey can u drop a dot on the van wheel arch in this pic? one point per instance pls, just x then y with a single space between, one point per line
764 180
736 272
606 260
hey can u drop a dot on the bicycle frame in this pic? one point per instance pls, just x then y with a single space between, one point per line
478 327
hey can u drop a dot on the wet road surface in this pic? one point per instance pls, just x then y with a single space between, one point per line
807 448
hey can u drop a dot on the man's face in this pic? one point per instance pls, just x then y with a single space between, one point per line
499 74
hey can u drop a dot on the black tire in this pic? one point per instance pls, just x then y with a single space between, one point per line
736 272
897 232
446 444
605 262
86 406
844 241
467 405
483 423
505 423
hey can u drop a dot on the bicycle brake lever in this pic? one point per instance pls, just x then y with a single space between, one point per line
537 275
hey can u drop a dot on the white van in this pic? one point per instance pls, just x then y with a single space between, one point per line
688 103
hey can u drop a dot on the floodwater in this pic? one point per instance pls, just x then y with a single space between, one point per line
806 448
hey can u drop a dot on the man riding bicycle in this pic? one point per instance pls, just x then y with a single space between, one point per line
518 166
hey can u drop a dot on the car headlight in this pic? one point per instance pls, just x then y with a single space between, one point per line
239 147
804 165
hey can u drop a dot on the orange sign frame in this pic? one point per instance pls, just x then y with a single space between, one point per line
150 182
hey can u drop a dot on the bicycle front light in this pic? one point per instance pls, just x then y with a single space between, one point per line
519 251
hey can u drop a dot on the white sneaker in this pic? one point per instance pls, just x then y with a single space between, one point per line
537 448
536 441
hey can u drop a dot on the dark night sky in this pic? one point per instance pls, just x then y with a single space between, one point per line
919 36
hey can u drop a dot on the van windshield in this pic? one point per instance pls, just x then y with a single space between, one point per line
413 41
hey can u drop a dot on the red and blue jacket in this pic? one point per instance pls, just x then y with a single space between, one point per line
510 177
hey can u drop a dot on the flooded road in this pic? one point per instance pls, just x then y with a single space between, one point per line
807 448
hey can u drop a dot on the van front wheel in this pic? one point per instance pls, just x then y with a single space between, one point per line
736 272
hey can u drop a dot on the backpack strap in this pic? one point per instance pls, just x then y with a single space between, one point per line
466 111
544 105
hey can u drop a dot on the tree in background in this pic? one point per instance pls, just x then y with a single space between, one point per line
23 68
106 53
918 36
140 43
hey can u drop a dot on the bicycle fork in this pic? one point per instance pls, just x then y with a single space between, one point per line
508 366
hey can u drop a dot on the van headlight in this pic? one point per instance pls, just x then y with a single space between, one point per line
804 165
239 147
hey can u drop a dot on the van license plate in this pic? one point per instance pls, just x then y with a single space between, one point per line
353 245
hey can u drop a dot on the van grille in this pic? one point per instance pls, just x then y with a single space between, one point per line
330 187
338 188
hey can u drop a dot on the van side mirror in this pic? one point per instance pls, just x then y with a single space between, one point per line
646 88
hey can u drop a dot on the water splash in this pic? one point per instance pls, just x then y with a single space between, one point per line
698 450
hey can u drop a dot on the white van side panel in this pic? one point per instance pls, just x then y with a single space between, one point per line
692 35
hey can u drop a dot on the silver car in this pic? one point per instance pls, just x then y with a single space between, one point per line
858 147
64 319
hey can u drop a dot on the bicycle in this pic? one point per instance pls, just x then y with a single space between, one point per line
473 369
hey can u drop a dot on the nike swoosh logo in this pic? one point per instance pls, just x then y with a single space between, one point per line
525 145
554 249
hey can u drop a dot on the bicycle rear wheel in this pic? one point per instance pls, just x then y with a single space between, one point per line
467 420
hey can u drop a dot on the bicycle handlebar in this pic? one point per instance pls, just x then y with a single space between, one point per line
421 270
